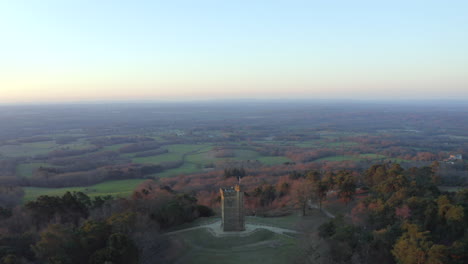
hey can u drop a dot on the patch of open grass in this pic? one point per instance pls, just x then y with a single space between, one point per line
193 155
170 156
200 158
338 158
245 154
307 143
120 188
186 148
451 188
341 144
289 221
28 149
38 148
186 168
114 147
176 153
372 156
226 242
197 222
26 169
294 221
261 246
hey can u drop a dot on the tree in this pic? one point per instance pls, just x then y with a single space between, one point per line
415 247
375 174
303 194
58 244
346 186
321 192
122 250
10 259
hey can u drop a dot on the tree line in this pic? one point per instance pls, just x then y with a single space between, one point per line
75 228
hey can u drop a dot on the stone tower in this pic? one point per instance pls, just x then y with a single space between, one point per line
232 209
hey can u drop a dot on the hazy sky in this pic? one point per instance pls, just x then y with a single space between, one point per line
64 50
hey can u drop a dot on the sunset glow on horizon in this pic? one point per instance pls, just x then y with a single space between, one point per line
67 51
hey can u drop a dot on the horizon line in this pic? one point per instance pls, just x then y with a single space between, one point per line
236 100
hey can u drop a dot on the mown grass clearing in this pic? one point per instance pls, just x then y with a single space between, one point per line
120 188
294 221
289 221
262 246
197 222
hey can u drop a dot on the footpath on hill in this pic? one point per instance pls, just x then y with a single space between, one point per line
323 210
215 227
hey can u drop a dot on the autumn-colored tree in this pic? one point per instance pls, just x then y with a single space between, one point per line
303 191
346 186
415 247
321 191
58 244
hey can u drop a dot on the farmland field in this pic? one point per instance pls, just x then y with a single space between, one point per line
122 188
27 169
89 142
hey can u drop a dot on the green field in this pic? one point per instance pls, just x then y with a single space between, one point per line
176 153
270 160
452 188
306 144
290 221
186 168
28 149
196 156
362 157
372 156
121 188
38 148
338 158
159 158
26 169
114 147
341 144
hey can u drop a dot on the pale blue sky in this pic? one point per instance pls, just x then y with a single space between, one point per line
59 50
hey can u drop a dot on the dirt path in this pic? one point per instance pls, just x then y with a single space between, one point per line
323 210
215 229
